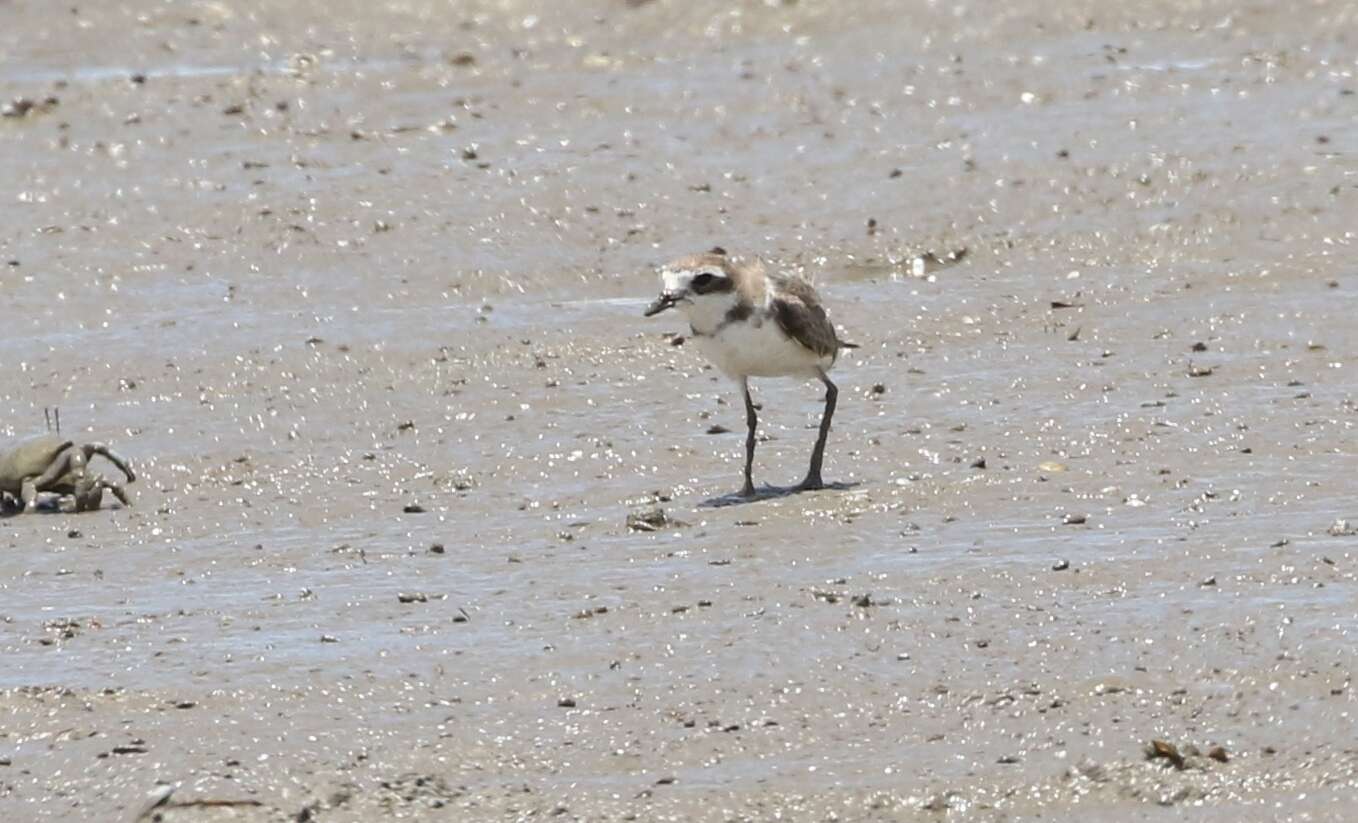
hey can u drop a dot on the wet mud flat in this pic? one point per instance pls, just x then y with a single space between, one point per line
357 287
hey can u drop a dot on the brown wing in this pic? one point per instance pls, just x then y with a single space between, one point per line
797 310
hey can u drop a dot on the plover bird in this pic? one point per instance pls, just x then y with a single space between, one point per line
751 323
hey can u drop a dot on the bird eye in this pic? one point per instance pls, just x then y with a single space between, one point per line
703 280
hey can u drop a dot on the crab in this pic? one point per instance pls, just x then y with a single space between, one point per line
51 463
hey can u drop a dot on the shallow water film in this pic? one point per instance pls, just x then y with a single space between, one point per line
432 524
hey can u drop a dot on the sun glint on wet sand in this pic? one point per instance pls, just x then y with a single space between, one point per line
423 524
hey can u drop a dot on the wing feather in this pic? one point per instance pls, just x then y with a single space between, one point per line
796 308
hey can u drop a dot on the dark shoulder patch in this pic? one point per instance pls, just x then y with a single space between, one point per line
738 313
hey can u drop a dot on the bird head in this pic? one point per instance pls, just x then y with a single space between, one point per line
694 283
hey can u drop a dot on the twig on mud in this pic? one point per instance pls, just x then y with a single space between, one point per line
160 799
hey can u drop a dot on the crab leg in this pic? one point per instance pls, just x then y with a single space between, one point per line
91 449
69 461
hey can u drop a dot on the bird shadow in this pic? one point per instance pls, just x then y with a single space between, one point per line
768 493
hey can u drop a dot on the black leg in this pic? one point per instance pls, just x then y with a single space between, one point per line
813 479
751 423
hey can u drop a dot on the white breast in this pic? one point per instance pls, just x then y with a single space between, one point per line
759 348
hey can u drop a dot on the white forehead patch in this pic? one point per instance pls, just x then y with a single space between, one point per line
674 281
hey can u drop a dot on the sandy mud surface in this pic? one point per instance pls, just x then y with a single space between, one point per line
357 286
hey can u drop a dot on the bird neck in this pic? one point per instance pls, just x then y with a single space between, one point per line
707 315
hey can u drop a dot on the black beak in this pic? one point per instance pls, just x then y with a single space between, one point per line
664 301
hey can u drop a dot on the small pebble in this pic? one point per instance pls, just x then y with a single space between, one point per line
648 520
